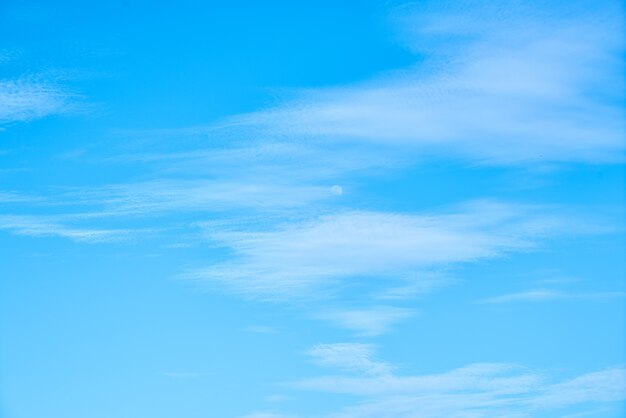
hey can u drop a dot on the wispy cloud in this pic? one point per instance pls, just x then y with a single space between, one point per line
351 247
540 295
32 97
503 379
603 386
523 85
13 197
413 287
351 357
369 322
198 195
37 226
481 390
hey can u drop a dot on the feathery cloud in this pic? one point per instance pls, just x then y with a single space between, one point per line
166 196
540 295
354 246
479 390
368 322
37 226
28 97
351 357
523 85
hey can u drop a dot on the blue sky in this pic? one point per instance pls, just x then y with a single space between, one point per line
310 209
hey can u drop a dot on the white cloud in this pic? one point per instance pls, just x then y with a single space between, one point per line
166 196
540 295
353 247
27 98
367 322
603 386
521 86
482 390
36 226
413 287
496 378
13 197
528 296
351 357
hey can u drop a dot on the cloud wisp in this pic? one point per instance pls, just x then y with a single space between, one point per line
544 295
523 86
367 322
481 390
162 197
351 248
350 357
29 97
38 226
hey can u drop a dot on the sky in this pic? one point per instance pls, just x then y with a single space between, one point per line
312 209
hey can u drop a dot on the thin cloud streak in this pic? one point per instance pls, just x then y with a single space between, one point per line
161 197
350 357
37 226
543 295
347 248
514 92
369 322
29 97
481 390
